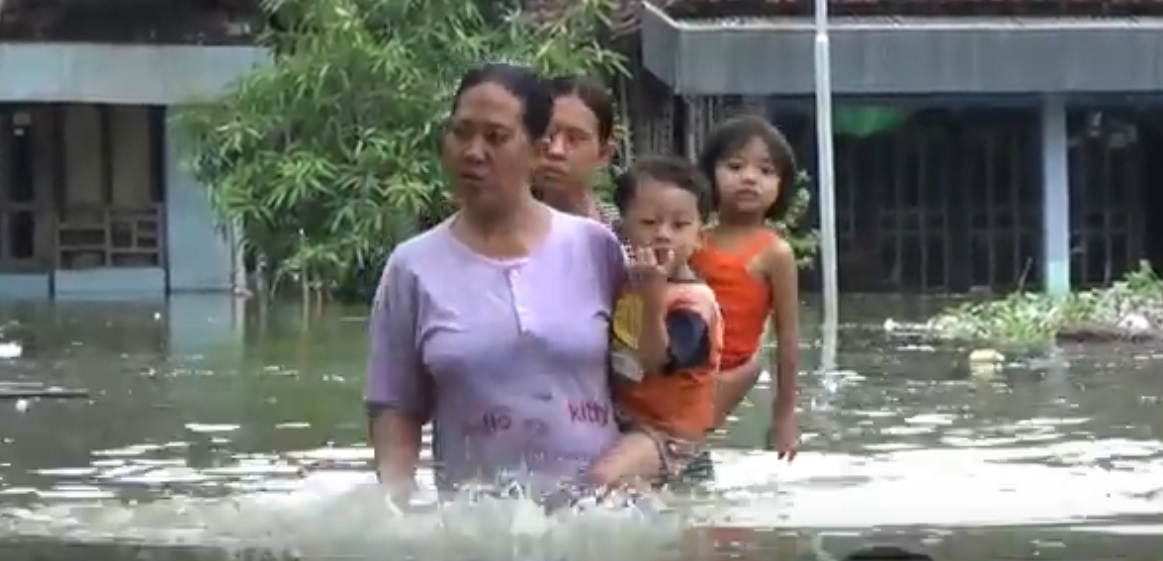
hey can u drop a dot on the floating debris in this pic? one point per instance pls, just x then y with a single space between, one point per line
43 393
11 349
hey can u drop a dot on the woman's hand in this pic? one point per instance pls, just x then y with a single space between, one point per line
396 440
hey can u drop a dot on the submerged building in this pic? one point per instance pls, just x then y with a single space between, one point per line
979 143
94 200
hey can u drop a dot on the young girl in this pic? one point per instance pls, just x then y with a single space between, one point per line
751 269
666 329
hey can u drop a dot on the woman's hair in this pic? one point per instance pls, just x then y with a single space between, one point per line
664 169
731 136
593 94
525 85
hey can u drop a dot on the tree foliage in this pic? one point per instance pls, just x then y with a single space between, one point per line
328 157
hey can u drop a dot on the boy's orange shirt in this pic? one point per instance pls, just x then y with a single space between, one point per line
680 403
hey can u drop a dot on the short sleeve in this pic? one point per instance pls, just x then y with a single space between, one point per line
612 261
395 377
690 325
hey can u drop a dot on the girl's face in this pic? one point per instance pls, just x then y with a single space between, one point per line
575 149
748 181
665 218
487 154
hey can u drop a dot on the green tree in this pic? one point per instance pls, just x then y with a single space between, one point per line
328 157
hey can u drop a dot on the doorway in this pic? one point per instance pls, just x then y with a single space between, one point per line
25 191
1151 141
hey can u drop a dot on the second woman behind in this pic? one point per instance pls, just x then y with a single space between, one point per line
580 144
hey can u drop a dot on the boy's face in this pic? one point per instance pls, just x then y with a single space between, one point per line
663 217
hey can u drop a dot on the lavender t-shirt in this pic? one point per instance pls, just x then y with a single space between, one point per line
509 357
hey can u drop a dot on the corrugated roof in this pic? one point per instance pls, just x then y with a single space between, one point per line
704 9
790 23
628 12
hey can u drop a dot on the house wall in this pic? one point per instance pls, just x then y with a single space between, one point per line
977 192
1064 202
116 89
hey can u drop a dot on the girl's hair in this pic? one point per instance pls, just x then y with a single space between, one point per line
525 85
593 94
730 136
664 169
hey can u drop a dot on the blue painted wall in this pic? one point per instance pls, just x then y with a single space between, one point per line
200 256
129 74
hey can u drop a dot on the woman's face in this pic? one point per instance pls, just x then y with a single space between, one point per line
575 149
487 153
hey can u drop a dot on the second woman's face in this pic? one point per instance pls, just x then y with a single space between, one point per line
487 153
574 148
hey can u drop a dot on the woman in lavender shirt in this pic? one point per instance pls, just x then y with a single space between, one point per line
494 324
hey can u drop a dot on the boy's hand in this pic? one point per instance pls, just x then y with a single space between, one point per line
649 269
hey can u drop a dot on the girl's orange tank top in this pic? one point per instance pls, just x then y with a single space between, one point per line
744 298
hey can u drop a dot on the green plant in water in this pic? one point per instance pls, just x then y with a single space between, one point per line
326 158
805 241
1030 318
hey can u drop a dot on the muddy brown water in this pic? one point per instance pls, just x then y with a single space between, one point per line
211 431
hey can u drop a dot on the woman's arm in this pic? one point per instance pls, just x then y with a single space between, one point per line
784 278
398 393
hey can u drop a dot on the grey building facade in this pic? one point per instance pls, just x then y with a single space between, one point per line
979 143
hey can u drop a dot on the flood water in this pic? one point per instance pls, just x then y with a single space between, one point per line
211 428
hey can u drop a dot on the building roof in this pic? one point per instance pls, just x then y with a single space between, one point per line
628 13
130 21
704 9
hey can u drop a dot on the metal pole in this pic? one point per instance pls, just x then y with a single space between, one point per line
827 182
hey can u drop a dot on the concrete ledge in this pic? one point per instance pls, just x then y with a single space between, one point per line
24 286
906 55
89 284
127 74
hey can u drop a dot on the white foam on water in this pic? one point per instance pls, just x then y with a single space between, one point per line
346 516
976 487
338 514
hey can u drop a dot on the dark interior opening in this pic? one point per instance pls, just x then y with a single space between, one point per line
1151 141
20 226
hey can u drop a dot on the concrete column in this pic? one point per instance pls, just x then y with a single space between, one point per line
204 324
1055 198
198 252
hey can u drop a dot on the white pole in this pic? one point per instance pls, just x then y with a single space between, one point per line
825 171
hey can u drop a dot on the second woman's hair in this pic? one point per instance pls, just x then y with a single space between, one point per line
593 94
731 136
524 83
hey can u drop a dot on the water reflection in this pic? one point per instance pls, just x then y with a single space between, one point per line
206 425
